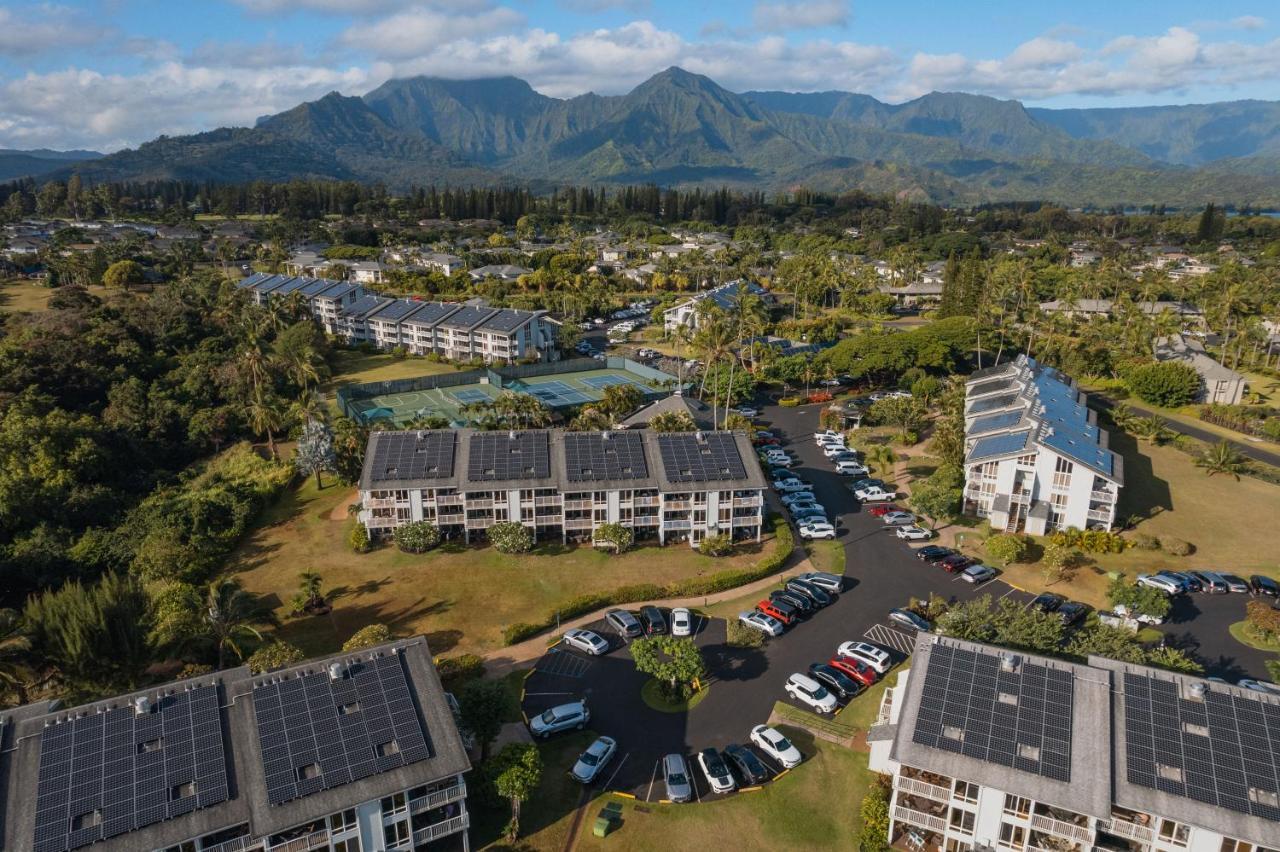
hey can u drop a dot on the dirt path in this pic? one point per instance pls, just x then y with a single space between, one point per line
341 511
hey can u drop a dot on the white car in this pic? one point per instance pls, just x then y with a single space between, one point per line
586 641
852 468
806 690
829 434
824 580
591 761
681 622
716 771
1264 686
783 460
911 532
1140 617
836 444
774 744
873 495
1164 584
790 486
747 411
895 519
766 624
977 574
831 448
817 530
865 652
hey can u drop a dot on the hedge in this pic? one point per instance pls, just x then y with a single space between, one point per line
789 402
690 588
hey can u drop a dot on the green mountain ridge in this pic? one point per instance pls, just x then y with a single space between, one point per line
680 128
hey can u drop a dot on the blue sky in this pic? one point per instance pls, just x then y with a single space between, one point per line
108 74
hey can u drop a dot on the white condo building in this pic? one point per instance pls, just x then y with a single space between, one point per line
989 749
1035 459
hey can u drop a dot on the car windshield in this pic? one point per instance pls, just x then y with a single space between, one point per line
549 716
589 759
782 743
677 778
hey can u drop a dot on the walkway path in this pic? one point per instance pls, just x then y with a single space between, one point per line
1243 445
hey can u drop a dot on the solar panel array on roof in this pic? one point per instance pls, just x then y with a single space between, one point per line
993 403
364 305
998 445
431 313
605 455
700 457
1222 750
1086 453
105 774
970 704
507 320
317 732
991 387
398 309
502 456
467 317
414 455
994 422
315 286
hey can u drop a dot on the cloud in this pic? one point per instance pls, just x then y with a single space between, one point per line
420 30
801 15
31 30
1249 22
592 6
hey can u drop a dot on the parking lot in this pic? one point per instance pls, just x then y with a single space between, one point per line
881 573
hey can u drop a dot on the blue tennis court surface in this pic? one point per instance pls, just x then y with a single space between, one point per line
470 395
602 382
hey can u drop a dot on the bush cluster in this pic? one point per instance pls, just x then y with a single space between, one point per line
1090 541
359 539
455 671
367 637
739 635
1007 548
789 402
716 545
511 537
1177 547
417 537
616 534
1166 383
690 588
1142 541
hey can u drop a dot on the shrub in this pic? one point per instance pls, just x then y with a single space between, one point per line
417 537
874 835
1142 541
359 538
367 637
1007 548
716 545
739 635
273 656
511 537
1167 383
1177 547
455 671
520 631
615 534
789 402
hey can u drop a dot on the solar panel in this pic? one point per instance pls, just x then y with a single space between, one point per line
426 454
993 403
502 456
998 445
700 457
317 732
971 705
1222 749
115 771
593 457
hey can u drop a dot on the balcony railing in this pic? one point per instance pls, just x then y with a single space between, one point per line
749 521
449 500
577 523
382 503
547 501
1103 496
577 504
677 525
1099 514
644 501
886 708
480 504
245 843
677 505
442 829
919 818
315 840
746 502
438 797
1061 828
480 523
941 795
1128 830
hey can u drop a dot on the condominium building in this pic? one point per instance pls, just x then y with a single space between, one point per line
725 297
357 752
991 749
564 485
1035 459
460 332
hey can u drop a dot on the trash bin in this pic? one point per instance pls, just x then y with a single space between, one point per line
608 819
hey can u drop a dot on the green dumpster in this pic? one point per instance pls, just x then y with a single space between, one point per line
608 819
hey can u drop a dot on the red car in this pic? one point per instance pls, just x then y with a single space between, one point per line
860 672
766 442
882 510
769 609
955 563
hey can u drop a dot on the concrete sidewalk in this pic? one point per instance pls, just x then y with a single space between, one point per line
503 661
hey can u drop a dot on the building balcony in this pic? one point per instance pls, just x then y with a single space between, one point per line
441 829
1060 828
678 505
920 819
1103 496
746 502
246 843
1128 830
577 504
644 520
644 501
449 500
677 525
480 523
578 523
480 504
751 521
314 840
547 501
921 788
1099 515
437 798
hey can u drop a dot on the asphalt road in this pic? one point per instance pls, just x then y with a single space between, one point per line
1243 446
881 573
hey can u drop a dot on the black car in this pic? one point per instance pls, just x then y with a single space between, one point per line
1047 602
1192 582
835 680
655 623
1072 611
820 597
796 600
1211 582
1260 585
933 553
865 482
747 764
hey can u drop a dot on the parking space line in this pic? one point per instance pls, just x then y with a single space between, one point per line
693 779
652 778
895 639
1006 594
616 769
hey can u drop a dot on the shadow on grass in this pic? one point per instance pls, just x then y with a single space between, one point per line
1144 494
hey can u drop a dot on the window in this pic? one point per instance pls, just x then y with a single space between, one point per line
394 804
954 845
342 821
1016 805
1012 836
962 820
396 833
1027 460
351 844
967 791
1173 832
1062 473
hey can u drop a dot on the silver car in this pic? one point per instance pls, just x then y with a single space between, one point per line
561 718
591 761
675 774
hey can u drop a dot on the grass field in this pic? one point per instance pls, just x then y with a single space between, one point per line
461 598
351 367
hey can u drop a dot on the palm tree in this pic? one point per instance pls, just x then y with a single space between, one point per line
881 457
1222 457
15 646
1152 429
266 417
311 583
591 419
233 618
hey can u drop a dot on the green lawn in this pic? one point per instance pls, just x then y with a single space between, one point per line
18 294
826 555
352 367
1239 632
461 598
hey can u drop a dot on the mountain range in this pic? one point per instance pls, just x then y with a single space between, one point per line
679 128
17 164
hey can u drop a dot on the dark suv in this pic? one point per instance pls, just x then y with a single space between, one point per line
819 596
1265 586
654 621
1047 602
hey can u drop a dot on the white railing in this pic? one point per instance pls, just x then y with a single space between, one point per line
546 501
381 503
644 501
577 523
449 500
885 712
480 523
746 521
1128 830
301 844
1099 514
1104 496
941 795
678 504
442 829
437 798
677 525
577 504
480 504
920 819
746 501
243 843
1061 828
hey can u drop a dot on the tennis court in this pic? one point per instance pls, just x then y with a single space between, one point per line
558 390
